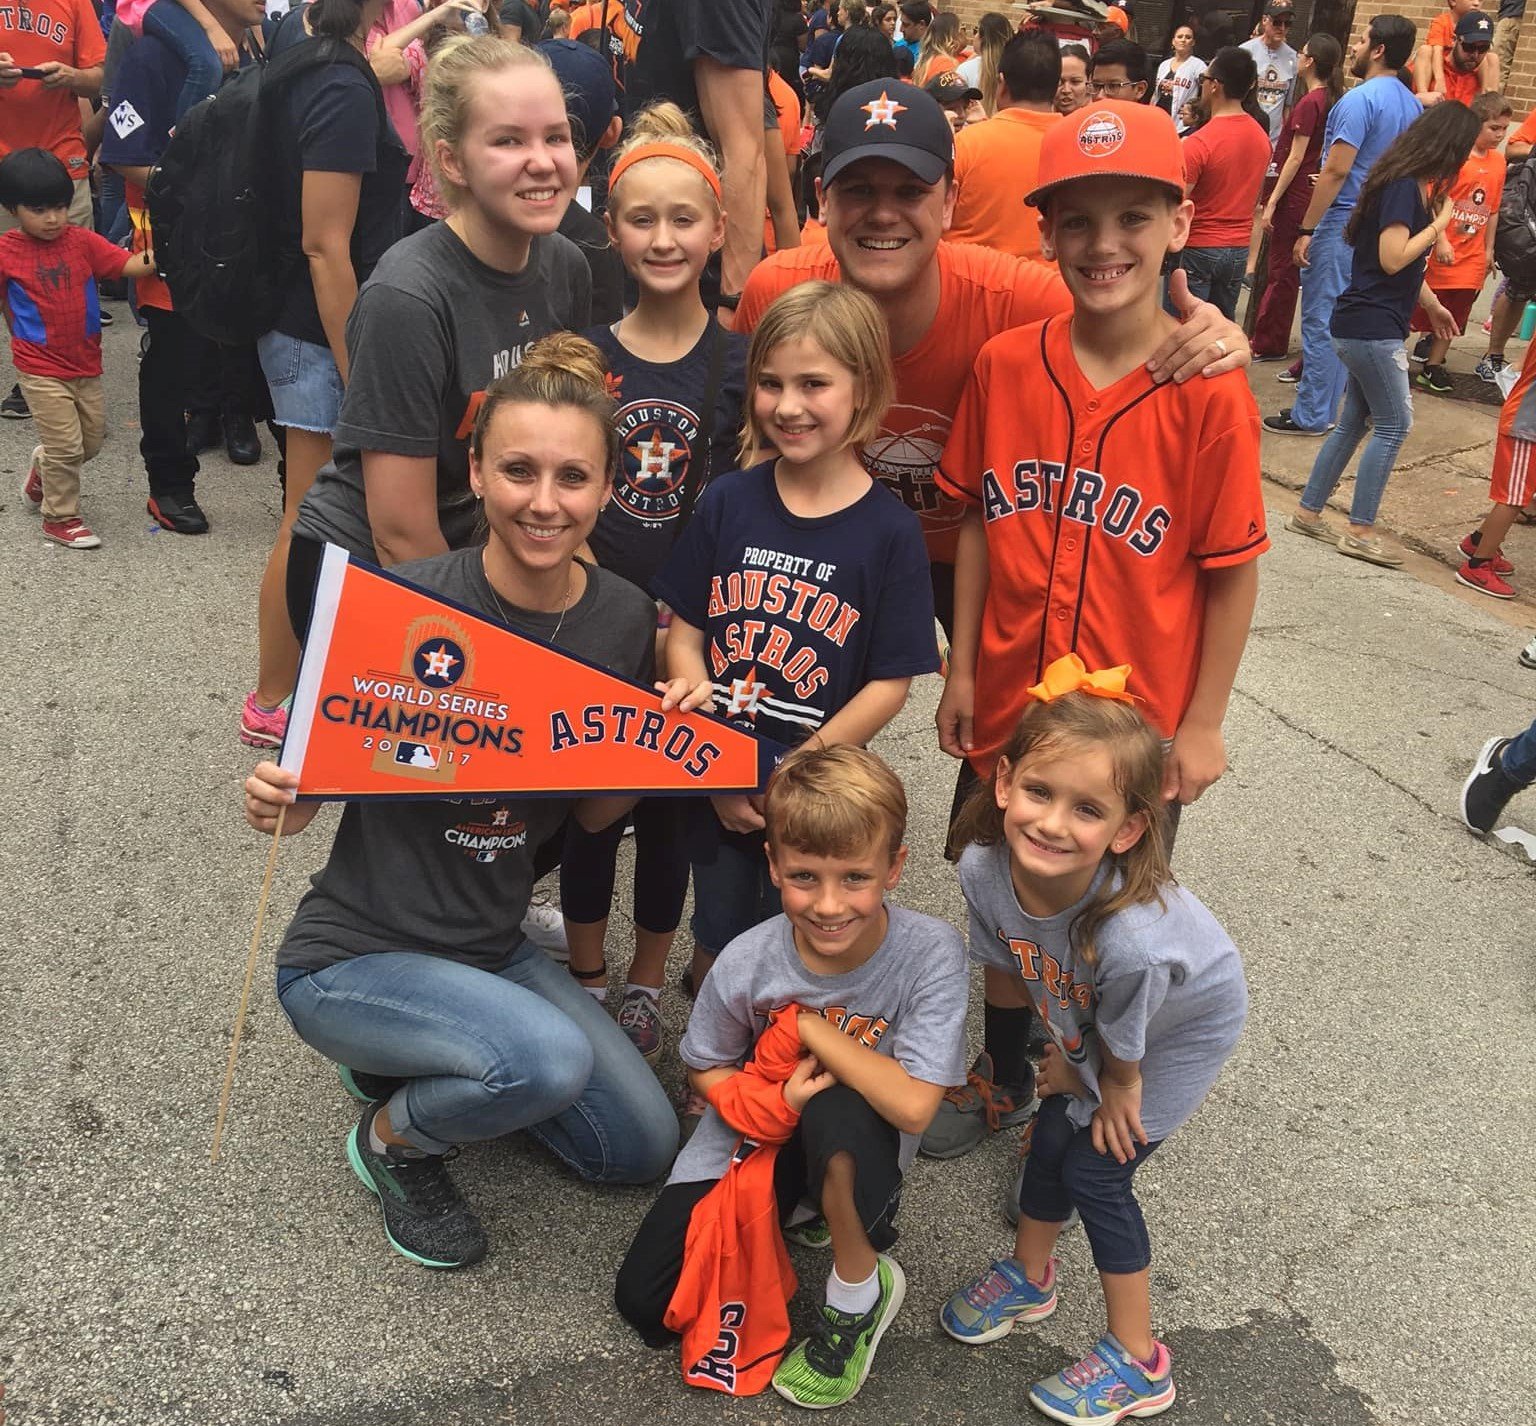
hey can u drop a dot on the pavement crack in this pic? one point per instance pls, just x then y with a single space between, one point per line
1328 743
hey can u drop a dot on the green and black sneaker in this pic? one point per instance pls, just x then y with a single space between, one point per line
829 1367
425 1218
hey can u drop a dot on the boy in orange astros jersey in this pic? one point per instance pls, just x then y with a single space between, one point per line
1107 514
882 992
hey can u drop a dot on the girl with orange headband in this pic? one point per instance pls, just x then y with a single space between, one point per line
679 379
1063 862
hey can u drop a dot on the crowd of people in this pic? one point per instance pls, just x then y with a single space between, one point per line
733 349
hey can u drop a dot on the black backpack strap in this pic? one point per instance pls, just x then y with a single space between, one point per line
691 486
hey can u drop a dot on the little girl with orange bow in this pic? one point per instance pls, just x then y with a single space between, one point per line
1063 863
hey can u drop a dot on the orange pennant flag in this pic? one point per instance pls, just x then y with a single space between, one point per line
404 694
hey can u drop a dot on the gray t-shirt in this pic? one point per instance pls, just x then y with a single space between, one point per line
1277 76
1168 988
907 1000
431 329
452 878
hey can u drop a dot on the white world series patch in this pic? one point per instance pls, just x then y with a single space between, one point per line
125 119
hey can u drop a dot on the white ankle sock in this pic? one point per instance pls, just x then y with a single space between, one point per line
854 1298
654 991
598 992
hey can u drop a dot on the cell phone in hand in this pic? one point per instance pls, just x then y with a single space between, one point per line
26 72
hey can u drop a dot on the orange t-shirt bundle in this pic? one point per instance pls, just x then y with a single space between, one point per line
731 1299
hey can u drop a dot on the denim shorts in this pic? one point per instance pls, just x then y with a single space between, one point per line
304 381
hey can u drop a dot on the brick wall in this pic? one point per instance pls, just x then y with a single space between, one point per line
1521 86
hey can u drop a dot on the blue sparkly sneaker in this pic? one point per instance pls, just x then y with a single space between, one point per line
1108 1385
999 1298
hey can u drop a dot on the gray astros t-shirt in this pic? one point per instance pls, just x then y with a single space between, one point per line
453 877
907 1000
431 329
1168 988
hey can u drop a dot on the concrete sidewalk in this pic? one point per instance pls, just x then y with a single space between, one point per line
1439 487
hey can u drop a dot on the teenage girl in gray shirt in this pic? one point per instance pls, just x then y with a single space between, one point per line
1142 993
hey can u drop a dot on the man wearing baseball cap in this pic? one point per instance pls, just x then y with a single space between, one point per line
1471 67
1277 62
960 101
887 194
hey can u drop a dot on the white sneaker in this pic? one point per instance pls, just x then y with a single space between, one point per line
1528 655
545 927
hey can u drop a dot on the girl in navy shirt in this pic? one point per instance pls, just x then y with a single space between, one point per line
1403 208
678 377
800 586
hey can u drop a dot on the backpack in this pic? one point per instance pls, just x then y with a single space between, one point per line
1514 240
213 199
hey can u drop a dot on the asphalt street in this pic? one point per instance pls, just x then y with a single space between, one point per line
1342 1236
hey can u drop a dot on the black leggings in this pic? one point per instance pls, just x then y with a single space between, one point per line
661 866
304 556
836 1120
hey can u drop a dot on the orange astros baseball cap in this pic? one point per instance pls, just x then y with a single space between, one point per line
1114 139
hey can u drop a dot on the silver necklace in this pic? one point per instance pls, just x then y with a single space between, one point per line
570 584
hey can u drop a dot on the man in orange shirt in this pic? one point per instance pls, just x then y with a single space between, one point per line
1471 68
996 160
1429 63
61 38
1464 252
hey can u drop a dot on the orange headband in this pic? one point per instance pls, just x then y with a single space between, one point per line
681 152
1069 674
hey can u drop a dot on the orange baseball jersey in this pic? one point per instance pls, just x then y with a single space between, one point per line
1103 509
981 293
1474 204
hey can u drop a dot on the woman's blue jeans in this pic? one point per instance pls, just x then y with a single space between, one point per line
488 1053
1376 395
166 20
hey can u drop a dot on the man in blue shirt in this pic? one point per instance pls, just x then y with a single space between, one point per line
1361 126
916 17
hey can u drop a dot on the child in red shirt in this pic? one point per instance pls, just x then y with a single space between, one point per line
48 270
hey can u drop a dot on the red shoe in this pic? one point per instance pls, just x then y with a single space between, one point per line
73 534
1485 579
32 487
1501 566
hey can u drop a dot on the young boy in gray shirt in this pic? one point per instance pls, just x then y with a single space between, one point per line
882 992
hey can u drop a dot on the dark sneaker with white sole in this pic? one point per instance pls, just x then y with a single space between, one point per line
425 1218
1488 788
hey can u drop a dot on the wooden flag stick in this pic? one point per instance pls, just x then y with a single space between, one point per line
245 990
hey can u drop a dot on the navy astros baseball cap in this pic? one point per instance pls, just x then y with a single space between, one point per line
587 79
888 119
949 88
1475 28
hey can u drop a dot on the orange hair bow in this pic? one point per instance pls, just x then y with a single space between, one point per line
1069 674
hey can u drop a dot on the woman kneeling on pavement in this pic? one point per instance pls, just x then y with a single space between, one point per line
403 962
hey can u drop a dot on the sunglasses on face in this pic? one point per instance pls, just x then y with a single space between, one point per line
1476 49
1280 22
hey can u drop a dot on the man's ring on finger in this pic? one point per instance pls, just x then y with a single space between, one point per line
1221 346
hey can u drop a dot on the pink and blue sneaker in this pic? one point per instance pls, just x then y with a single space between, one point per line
1108 1385
996 1302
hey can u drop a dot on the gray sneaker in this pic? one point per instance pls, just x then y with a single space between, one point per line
640 1019
1527 655
971 1111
